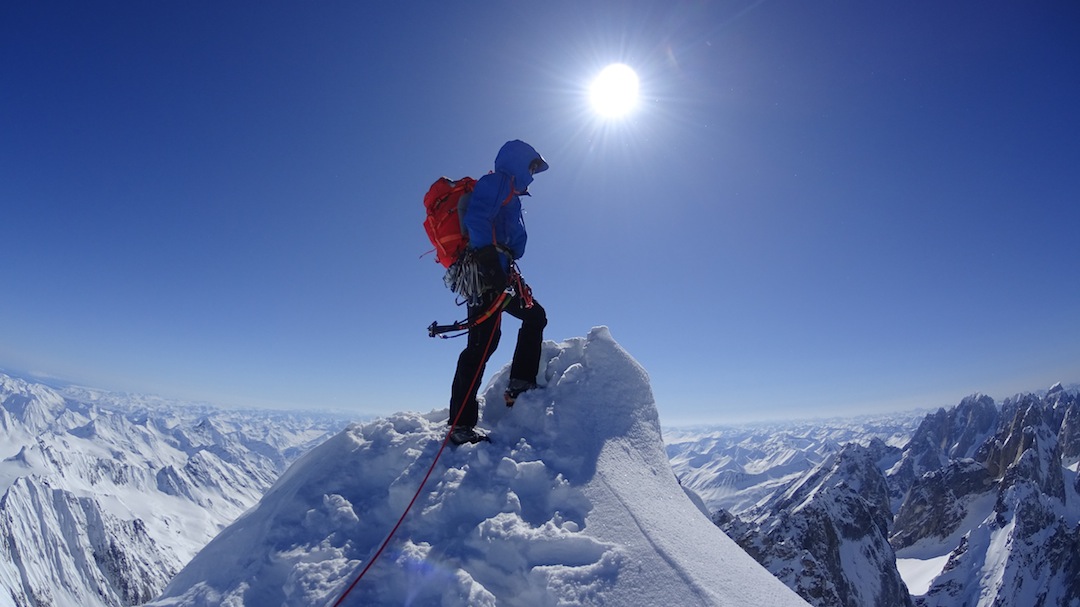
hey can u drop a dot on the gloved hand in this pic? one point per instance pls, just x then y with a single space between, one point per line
487 259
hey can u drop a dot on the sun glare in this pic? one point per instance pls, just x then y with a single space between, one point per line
614 92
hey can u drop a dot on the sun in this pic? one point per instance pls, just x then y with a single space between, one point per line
614 92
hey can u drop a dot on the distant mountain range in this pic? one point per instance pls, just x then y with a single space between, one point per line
104 497
979 507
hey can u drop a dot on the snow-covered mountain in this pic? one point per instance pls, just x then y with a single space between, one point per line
1002 512
826 535
573 503
981 508
104 497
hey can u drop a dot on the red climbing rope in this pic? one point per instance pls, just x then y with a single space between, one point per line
446 439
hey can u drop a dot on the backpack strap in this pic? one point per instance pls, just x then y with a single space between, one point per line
509 197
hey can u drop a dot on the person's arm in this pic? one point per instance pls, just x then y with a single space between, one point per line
516 236
480 216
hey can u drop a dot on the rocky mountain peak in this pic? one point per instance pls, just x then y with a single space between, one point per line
825 535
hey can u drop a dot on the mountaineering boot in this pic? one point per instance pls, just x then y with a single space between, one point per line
515 388
466 434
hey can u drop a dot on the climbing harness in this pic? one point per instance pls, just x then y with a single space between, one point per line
524 291
516 287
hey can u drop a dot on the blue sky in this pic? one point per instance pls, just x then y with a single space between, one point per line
816 208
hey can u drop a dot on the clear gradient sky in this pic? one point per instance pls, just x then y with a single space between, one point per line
817 207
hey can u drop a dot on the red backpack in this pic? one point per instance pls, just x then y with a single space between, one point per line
445 203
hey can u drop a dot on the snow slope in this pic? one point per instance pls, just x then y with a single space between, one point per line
573 503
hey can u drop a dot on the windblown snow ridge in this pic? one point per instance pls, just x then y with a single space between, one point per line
573 503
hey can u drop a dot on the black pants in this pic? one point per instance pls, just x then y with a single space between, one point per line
483 339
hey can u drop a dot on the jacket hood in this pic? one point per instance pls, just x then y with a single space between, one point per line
514 159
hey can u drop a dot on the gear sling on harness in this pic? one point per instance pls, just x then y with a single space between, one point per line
517 287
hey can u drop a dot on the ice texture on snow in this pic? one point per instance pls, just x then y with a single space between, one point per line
573 503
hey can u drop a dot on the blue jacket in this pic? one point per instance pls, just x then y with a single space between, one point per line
494 212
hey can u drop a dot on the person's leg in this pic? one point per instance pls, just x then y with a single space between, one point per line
483 339
530 338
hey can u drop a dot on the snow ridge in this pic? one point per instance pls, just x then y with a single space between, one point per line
573 503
